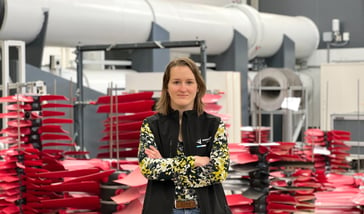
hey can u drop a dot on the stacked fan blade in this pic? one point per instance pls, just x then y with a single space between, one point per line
122 127
30 120
327 149
211 103
315 149
275 177
251 134
130 197
329 153
34 178
292 180
339 150
238 181
341 195
126 113
212 106
359 181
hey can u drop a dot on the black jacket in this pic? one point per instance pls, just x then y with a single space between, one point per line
159 197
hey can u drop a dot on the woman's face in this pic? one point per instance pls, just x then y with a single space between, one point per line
182 88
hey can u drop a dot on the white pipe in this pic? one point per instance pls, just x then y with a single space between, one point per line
76 22
300 29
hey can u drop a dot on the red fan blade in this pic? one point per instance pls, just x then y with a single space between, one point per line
57 105
90 202
10 209
314 132
16 98
125 98
52 113
52 97
211 98
35 183
55 137
58 144
242 158
128 195
133 179
95 176
76 153
68 173
223 117
132 107
52 128
7 140
281 207
13 114
57 120
9 178
15 131
15 107
212 107
20 123
8 186
32 163
135 206
276 197
338 132
85 186
52 151
30 170
138 116
238 199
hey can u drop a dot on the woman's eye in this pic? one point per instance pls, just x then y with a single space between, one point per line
190 82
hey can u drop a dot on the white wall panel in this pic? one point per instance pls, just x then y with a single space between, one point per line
341 89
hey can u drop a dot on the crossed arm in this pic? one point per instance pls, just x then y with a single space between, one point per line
192 171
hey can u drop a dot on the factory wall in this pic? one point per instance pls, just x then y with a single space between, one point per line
349 12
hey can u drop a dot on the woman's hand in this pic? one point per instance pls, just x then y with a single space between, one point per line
152 152
201 161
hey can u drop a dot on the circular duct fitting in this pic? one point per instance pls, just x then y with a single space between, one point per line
272 85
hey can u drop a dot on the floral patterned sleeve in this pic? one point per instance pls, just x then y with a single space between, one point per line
163 168
217 170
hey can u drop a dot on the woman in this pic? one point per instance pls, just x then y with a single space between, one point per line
183 150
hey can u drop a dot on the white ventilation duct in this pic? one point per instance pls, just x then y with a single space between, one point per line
76 22
272 85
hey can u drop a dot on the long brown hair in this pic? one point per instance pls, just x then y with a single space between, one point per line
164 102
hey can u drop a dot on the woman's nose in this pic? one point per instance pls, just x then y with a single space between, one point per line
183 86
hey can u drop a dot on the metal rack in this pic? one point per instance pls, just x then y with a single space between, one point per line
6 83
289 134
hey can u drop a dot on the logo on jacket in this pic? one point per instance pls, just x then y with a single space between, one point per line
202 142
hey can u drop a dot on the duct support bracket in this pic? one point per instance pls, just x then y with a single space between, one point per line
34 50
152 60
285 56
234 59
